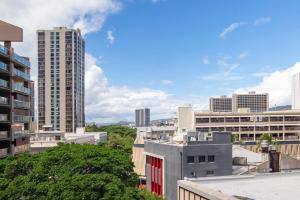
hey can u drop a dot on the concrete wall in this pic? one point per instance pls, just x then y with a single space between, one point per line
185 117
176 167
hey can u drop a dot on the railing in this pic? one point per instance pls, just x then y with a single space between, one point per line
21 118
3 152
3 134
21 88
21 104
3 100
3 66
18 134
3 83
21 74
21 59
3 49
22 148
3 117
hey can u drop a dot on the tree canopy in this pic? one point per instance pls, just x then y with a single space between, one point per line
119 137
71 171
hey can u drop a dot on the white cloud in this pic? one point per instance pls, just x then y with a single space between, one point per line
32 15
166 82
107 103
205 60
110 37
226 71
262 20
277 84
232 27
243 55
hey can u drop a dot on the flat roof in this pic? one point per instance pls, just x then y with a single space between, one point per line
275 112
269 186
9 32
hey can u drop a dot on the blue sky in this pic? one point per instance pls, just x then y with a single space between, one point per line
168 40
165 53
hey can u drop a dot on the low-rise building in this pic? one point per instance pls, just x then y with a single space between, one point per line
194 155
282 125
268 186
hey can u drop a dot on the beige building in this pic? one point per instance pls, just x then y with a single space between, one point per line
282 125
220 104
60 79
251 102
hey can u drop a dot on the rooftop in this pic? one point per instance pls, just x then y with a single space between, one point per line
269 186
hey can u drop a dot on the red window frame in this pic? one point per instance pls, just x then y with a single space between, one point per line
156 178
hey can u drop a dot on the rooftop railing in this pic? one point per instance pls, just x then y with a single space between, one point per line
3 83
3 117
21 74
21 59
3 49
3 134
19 87
3 152
3 100
21 118
21 104
21 133
3 66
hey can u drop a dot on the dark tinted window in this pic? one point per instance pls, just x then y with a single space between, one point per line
190 159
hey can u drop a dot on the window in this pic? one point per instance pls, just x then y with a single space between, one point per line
190 159
201 159
211 158
210 172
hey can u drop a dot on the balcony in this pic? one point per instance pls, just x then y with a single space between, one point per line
19 134
3 152
22 118
3 100
20 88
4 134
21 104
21 74
3 50
3 66
3 117
3 83
21 60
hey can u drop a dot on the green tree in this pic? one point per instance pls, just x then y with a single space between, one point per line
71 171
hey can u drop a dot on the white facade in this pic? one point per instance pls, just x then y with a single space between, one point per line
296 91
185 119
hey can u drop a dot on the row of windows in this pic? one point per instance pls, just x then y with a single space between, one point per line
201 159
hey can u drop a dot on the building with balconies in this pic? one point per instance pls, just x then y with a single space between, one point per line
14 93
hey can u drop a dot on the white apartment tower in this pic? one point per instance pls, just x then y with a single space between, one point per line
61 79
296 91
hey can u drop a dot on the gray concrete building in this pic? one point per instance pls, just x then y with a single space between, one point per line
142 117
197 155
61 79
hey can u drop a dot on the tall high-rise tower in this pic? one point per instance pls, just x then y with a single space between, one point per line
142 117
61 79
